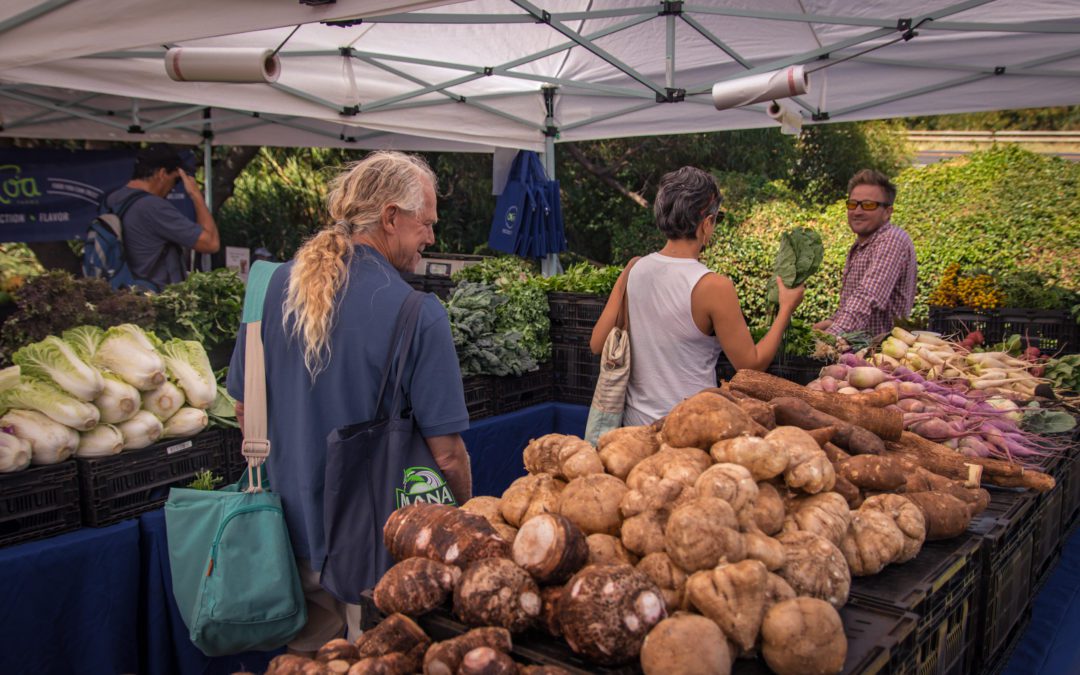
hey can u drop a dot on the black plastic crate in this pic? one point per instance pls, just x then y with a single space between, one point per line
39 502
797 369
724 369
440 286
517 392
1070 498
1006 528
576 368
414 280
1011 642
1046 533
125 485
1052 331
233 462
574 311
479 396
939 585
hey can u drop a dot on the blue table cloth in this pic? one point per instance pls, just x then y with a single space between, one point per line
70 604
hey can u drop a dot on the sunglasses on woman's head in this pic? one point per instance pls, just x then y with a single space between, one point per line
866 204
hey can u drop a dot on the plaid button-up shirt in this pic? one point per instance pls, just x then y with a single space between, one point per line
879 283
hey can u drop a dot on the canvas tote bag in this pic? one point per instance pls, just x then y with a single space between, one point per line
372 469
609 397
232 565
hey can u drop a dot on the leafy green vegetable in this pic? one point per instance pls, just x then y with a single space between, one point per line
584 277
1064 372
53 360
799 257
189 365
205 307
481 348
222 412
53 403
1040 421
205 480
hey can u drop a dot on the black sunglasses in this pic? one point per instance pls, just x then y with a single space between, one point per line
866 204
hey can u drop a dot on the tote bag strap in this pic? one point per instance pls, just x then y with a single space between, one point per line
622 319
404 330
256 446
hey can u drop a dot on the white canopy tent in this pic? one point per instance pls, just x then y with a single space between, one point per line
513 73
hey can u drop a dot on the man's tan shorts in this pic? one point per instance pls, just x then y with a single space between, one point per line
328 617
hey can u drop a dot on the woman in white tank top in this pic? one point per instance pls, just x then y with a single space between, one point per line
681 314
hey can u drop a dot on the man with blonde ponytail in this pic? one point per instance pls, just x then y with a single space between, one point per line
326 328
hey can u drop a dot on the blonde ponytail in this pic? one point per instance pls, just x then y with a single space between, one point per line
356 201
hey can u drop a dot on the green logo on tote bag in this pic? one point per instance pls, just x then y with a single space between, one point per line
422 484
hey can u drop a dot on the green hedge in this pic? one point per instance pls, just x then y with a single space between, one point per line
1003 209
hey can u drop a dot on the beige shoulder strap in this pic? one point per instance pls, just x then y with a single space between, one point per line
256 447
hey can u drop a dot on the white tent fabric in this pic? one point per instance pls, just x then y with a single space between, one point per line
474 74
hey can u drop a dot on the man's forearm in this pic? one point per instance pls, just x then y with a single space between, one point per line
453 460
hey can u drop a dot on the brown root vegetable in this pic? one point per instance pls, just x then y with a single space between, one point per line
395 663
686 644
826 514
652 494
682 465
763 459
415 586
908 518
287 664
530 496
444 658
496 592
803 636
704 419
815 567
668 577
777 590
607 610
822 435
872 542
873 472
885 423
702 534
644 533
395 633
851 494
563 456
850 436
443 533
622 449
551 548
337 649
834 453
731 482
605 549
768 513
592 503
542 670
946 516
488 508
947 462
734 597
338 666
808 467
505 531
487 661
760 546
550 596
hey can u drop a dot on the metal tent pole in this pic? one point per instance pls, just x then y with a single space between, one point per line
550 265
208 177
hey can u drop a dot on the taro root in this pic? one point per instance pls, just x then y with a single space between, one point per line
687 644
768 510
394 663
815 567
803 636
622 449
605 549
668 578
808 467
762 459
730 482
592 503
566 457
682 465
496 592
444 658
550 597
826 514
703 533
760 546
908 518
337 649
530 496
551 548
607 610
443 533
415 586
873 541
734 597
487 661
395 633
704 419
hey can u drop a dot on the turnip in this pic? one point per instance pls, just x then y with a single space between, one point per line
889 385
864 377
902 335
837 371
911 405
905 389
852 361
829 384
847 391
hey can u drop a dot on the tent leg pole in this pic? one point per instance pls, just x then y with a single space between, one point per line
550 265
208 188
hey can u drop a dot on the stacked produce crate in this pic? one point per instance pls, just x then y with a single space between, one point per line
1052 331
576 368
39 502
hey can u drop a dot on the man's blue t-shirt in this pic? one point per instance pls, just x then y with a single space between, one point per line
301 414
155 234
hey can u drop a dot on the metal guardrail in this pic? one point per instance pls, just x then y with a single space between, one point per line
984 137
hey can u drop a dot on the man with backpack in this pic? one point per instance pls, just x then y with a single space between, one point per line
155 233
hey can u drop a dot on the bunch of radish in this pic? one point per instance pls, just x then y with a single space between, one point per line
970 419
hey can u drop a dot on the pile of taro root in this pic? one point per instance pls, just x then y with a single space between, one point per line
730 529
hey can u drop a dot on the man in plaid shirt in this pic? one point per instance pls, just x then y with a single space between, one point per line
879 276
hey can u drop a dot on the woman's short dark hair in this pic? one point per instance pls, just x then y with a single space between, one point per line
685 197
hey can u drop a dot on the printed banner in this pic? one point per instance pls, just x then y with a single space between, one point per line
52 195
